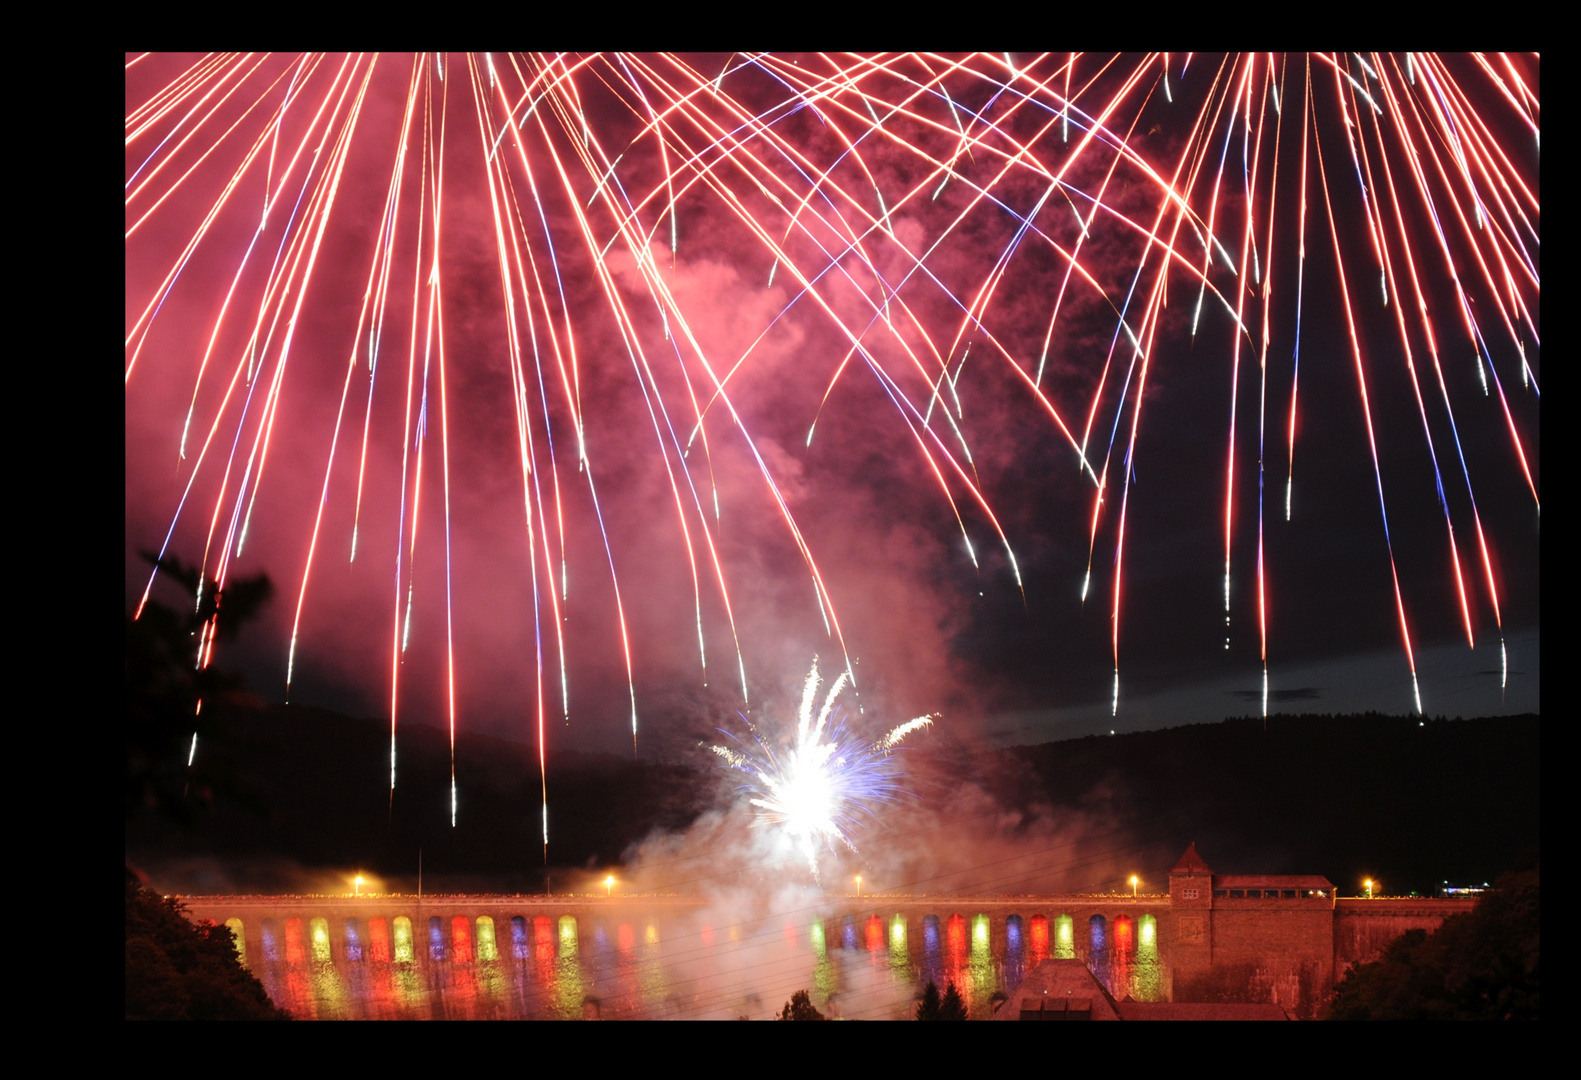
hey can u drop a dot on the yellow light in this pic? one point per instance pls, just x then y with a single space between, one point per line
1134 882
356 887
859 885
609 885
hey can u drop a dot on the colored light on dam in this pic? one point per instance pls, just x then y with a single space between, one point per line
680 957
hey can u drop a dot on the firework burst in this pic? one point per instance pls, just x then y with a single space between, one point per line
820 788
374 304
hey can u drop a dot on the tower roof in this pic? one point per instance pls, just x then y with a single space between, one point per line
1191 863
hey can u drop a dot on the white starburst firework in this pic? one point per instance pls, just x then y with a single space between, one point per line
820 788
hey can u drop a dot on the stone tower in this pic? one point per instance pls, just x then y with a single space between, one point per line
1191 898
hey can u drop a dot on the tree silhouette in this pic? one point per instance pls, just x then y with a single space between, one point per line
934 1007
178 970
1481 965
166 685
800 1007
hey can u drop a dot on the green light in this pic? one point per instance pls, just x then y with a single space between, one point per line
898 955
1064 938
487 949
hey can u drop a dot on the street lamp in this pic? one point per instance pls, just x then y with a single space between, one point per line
356 886
1134 882
1368 884
609 885
859 886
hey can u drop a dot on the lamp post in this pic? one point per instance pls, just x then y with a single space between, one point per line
1134 882
1368 884
859 886
356 886
609 886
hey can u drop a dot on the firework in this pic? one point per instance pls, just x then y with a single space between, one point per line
374 302
819 789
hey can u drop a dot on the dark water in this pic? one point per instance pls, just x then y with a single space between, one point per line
542 968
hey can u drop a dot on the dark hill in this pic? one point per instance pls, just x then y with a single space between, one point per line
1411 803
323 781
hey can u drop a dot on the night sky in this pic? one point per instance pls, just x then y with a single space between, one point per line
909 210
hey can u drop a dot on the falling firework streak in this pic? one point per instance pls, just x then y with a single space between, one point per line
518 224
